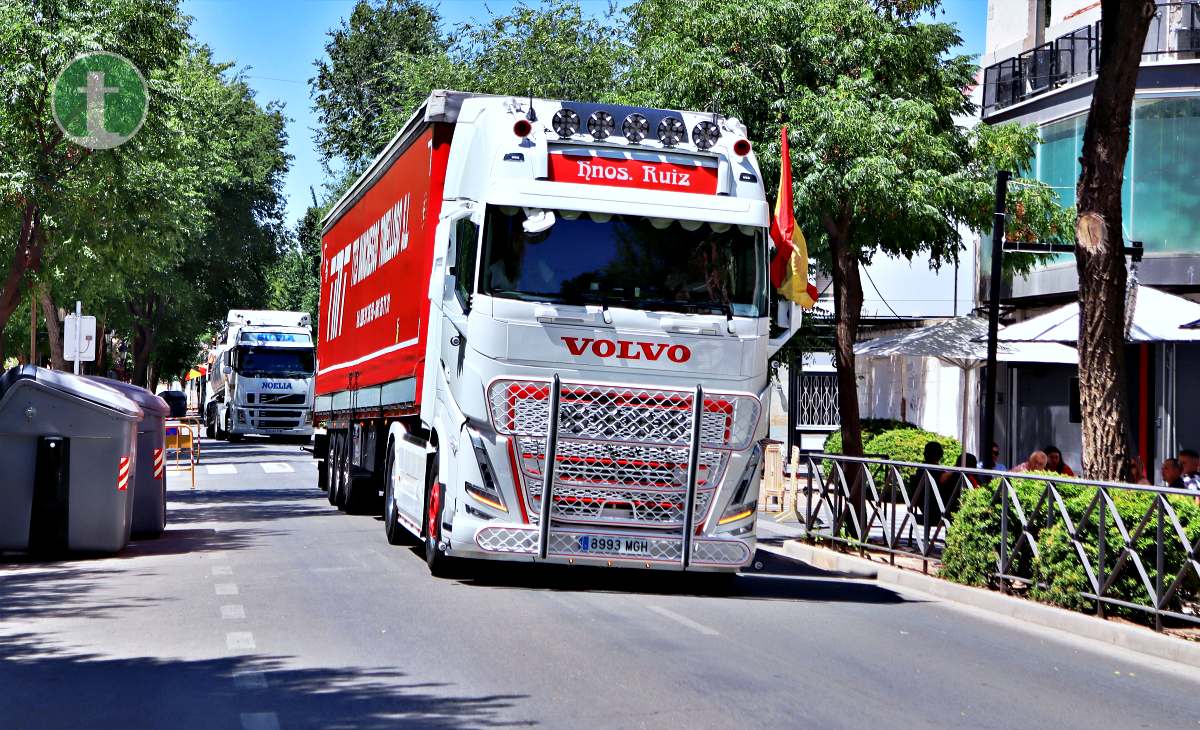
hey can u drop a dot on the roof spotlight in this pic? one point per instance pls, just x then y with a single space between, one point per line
522 128
600 125
671 131
705 135
565 123
635 128
741 147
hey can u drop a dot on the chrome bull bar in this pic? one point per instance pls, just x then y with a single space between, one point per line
687 536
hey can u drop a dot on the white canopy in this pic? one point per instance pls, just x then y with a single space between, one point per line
962 342
1157 317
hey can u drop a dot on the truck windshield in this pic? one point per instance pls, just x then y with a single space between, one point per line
628 261
275 362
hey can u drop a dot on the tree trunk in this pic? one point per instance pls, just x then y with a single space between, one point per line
1099 247
101 349
53 327
847 308
26 256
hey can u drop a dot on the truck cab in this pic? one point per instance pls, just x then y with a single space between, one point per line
261 377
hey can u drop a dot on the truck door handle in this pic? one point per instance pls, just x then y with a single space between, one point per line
681 328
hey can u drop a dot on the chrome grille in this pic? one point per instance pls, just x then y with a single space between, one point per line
504 539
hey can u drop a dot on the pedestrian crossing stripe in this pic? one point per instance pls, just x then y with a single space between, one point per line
123 474
277 467
221 469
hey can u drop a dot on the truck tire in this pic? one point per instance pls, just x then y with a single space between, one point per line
396 533
230 436
335 471
440 564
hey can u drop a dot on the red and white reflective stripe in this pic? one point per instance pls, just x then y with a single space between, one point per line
123 474
159 464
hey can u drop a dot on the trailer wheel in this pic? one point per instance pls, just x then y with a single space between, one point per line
335 471
396 533
439 563
343 472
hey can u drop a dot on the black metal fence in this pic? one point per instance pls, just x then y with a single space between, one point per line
906 509
1174 31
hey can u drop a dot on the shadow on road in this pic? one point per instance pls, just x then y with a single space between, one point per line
245 505
778 578
70 690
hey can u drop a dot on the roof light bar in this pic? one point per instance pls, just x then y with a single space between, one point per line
600 125
565 123
671 131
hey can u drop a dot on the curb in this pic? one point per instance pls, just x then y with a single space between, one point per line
1133 638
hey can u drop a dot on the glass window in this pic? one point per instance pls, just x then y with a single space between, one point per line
267 362
466 237
1165 170
629 261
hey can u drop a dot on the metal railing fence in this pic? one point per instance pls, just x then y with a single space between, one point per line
1174 32
906 509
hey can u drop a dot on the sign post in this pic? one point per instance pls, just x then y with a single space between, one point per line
79 338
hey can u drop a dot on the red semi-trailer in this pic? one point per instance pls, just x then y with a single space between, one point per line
544 335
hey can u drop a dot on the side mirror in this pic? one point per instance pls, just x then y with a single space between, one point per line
538 220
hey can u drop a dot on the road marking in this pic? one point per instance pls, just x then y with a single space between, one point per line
260 721
233 610
250 680
667 613
238 640
277 467
226 589
221 469
222 570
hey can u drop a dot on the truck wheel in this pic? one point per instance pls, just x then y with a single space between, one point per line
344 474
230 436
335 471
396 533
439 563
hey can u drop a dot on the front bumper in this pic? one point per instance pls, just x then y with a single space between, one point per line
577 545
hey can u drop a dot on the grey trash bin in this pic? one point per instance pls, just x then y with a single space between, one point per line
150 472
67 449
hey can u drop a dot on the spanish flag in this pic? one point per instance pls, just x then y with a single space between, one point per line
789 267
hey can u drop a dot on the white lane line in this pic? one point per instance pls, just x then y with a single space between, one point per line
260 721
239 640
233 611
684 620
250 680
226 589
221 469
222 570
277 467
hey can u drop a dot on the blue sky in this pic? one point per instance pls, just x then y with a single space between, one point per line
275 43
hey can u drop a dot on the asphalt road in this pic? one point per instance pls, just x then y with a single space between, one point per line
264 607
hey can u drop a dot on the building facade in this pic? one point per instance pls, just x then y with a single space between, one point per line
1039 68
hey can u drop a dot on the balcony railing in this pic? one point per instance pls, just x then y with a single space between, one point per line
1174 33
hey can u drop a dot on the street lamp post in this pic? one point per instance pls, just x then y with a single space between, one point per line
989 402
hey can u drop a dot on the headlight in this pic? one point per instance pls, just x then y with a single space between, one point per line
565 123
705 135
671 131
635 128
600 125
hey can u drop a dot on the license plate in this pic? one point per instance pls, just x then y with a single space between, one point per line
639 546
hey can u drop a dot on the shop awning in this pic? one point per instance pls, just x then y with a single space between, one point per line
962 342
1157 317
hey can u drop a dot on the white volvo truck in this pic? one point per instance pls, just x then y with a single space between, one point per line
545 333
260 377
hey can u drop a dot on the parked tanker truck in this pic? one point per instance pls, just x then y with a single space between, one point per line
545 332
260 377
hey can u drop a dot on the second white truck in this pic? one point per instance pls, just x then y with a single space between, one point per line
260 377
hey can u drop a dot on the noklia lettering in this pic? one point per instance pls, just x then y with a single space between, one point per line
627 349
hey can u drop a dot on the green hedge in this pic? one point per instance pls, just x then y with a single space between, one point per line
871 427
1058 577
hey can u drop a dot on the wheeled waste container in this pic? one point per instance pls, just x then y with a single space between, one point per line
67 449
150 470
